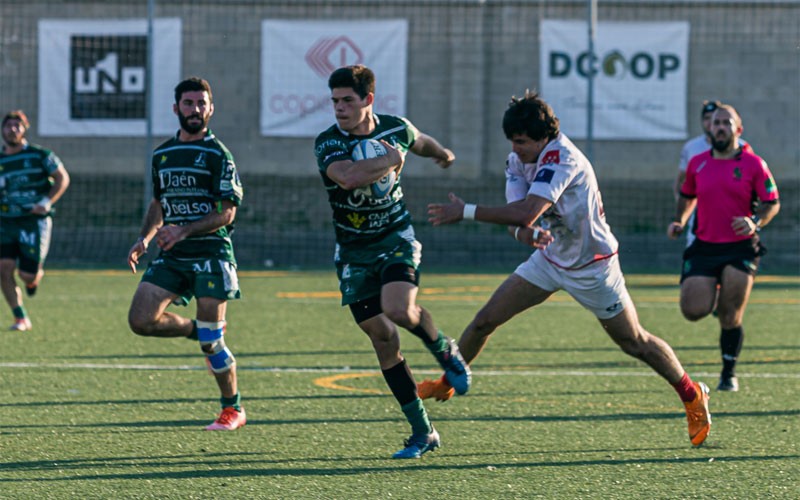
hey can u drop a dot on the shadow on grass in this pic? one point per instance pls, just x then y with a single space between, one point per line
611 417
220 465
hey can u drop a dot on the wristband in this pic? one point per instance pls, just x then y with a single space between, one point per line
469 211
536 234
45 203
516 233
757 221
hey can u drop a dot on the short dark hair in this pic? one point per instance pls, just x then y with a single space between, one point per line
531 116
357 77
17 114
192 84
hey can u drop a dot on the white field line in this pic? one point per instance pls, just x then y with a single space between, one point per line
345 369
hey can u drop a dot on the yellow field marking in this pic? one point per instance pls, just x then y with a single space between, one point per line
127 272
308 295
645 279
331 382
444 295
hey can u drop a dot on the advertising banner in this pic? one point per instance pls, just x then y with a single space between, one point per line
297 57
640 78
93 81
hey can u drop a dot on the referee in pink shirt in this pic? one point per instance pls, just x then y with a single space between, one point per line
735 196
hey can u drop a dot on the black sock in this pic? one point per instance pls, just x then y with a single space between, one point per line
730 343
401 382
193 335
425 327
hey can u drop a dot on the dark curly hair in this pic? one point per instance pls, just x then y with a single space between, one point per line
531 116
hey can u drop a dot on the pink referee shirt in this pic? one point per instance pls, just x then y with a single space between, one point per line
726 189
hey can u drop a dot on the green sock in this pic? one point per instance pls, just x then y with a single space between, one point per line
438 345
20 312
417 417
235 402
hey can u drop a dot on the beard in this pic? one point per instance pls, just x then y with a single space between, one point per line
721 145
13 140
190 128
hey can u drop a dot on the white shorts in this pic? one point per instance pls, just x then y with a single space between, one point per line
599 287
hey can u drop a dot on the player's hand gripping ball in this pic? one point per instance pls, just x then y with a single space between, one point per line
370 148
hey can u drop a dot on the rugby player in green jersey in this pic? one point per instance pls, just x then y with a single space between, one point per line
377 255
196 190
32 180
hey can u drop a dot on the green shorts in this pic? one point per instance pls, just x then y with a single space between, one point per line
359 269
26 239
189 278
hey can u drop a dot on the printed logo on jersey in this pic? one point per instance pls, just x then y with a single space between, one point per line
551 158
205 267
329 53
544 175
355 219
737 173
769 185
177 180
200 161
702 165
163 158
616 307
107 77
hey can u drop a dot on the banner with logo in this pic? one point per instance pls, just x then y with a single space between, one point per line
640 78
297 57
93 81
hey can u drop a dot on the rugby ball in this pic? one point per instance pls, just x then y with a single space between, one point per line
370 148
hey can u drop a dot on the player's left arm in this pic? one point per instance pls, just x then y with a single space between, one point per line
428 147
60 184
769 206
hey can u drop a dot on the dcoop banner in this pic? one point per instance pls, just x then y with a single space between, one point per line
93 81
297 57
640 72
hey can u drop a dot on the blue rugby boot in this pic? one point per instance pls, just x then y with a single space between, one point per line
456 370
418 445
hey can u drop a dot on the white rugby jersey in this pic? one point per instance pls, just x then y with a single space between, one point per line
694 147
576 220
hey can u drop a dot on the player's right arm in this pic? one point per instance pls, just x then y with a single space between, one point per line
153 220
686 202
349 174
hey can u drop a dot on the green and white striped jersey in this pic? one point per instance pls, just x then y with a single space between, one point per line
189 179
357 217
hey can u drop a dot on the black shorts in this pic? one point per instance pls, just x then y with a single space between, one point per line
709 259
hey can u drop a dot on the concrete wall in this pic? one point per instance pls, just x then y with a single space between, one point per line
466 58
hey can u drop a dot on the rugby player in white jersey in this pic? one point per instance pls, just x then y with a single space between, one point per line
554 206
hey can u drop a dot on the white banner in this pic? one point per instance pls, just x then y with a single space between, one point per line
297 57
640 78
92 77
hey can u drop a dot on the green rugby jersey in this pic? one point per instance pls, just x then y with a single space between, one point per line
189 178
25 179
357 216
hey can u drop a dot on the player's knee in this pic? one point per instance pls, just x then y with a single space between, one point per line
694 313
140 325
400 315
211 336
